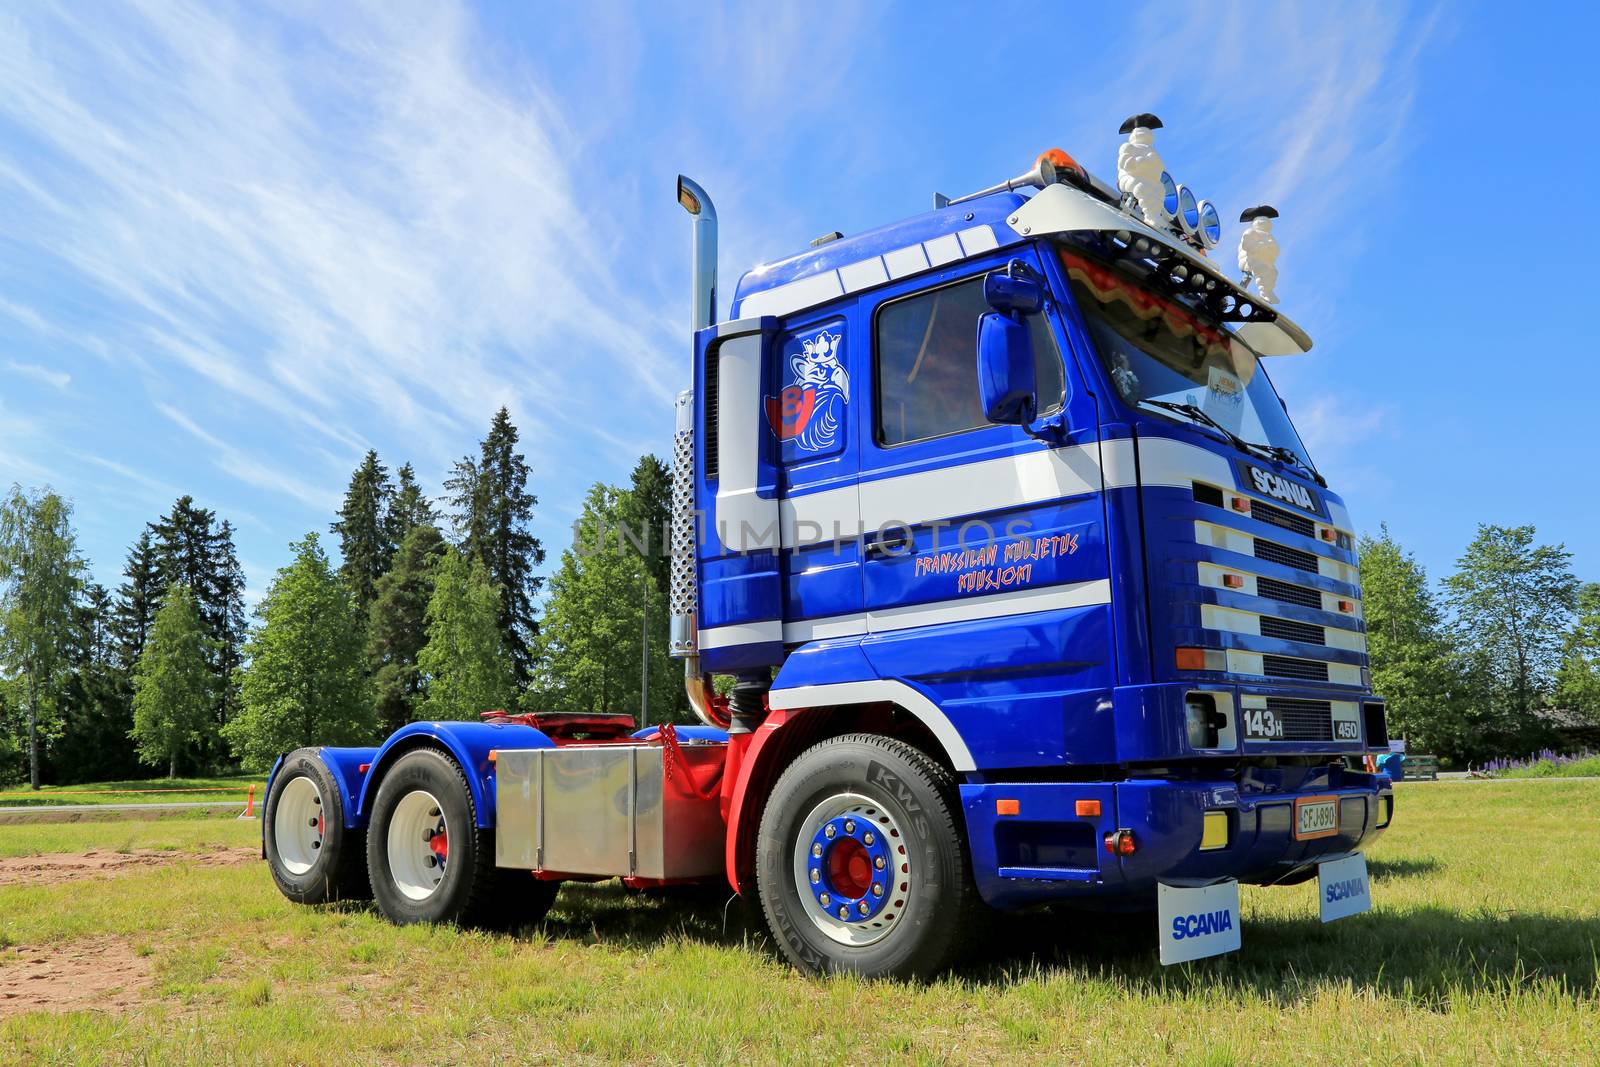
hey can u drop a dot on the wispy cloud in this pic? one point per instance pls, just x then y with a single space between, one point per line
340 222
250 469
56 379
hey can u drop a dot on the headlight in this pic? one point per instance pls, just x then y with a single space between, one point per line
1188 213
1210 224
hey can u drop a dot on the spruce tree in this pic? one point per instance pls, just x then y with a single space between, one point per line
647 513
363 533
137 600
465 665
408 507
227 627
307 682
397 627
173 685
493 508
185 551
97 707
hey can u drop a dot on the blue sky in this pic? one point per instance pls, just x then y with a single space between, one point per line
241 245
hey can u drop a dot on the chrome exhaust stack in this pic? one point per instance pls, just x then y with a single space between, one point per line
703 313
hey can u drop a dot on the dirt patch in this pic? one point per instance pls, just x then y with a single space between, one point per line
95 974
65 866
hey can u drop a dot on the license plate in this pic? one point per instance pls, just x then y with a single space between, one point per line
1262 725
1315 817
1193 922
1343 888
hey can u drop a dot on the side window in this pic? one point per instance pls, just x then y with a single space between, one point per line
926 360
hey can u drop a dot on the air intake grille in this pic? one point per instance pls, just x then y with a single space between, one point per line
709 437
1286 519
1273 589
1289 630
1308 670
1303 720
1289 557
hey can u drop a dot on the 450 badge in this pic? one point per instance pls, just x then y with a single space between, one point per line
810 410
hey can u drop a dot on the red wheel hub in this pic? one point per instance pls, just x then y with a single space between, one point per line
849 868
440 844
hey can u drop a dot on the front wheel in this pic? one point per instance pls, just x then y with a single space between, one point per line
430 862
860 862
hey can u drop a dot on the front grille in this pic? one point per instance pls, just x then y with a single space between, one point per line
1289 557
1273 589
1286 519
1289 630
1303 720
1308 670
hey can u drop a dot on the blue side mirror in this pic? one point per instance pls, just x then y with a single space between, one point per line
1006 382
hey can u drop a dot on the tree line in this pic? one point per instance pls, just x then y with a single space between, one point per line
434 611
1497 659
431 612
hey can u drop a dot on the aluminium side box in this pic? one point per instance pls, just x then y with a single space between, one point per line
606 810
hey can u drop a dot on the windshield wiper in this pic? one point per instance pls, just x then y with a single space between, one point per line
1292 458
1286 456
1198 414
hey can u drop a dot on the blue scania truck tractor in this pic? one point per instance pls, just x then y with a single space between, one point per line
1001 578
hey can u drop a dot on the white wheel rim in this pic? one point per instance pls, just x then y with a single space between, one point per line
298 825
419 845
899 880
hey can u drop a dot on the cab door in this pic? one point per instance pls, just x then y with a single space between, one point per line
984 564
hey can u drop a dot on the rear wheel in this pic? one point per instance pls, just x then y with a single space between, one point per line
430 862
860 862
313 856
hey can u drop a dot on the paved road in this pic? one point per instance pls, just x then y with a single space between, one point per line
78 812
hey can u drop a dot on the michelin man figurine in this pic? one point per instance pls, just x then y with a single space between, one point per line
1258 252
1139 168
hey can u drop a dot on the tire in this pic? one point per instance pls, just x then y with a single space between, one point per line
428 860
313 856
840 808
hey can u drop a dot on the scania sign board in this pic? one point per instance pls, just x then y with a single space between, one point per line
1193 923
1342 887
1280 488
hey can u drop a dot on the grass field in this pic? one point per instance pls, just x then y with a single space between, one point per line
1484 946
137 791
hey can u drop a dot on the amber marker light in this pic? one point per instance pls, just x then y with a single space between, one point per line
1087 809
1008 807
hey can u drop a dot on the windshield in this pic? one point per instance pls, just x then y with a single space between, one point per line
1155 349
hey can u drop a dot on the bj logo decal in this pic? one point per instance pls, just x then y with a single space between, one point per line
810 410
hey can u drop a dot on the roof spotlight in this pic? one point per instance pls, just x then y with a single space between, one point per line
1169 196
1188 213
1210 224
